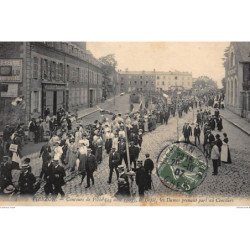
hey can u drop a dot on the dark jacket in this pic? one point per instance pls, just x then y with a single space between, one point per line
91 164
141 177
134 152
57 175
148 165
114 159
197 131
26 183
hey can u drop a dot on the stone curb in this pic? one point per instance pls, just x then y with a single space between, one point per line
236 125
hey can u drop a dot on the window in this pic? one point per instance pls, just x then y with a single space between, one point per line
78 75
141 82
158 77
35 67
60 72
45 68
175 78
135 81
141 77
163 83
53 70
68 73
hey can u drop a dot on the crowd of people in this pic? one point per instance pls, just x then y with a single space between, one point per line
82 148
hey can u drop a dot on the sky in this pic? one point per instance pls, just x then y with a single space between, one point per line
198 58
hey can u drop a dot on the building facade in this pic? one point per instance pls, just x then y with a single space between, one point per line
155 80
49 75
137 80
166 80
237 78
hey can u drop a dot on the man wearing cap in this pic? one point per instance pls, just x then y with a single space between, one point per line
141 178
114 160
57 177
26 180
148 166
91 166
123 182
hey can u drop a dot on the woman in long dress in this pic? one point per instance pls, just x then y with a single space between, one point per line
71 155
225 152
82 156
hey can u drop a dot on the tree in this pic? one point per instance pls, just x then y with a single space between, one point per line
226 55
108 67
223 81
109 60
204 84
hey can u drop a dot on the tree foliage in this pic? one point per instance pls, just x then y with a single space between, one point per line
204 84
108 60
226 55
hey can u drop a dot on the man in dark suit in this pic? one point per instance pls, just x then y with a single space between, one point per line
141 178
197 133
114 160
26 179
133 154
187 132
91 167
57 177
148 166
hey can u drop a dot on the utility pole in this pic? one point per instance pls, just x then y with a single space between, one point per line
88 84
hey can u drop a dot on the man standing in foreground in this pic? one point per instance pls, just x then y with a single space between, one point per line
57 177
215 157
91 166
114 160
148 166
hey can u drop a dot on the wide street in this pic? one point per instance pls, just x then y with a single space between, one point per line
232 179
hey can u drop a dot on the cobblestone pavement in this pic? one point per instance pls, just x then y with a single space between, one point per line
152 142
232 179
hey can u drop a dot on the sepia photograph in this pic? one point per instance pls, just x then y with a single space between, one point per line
124 123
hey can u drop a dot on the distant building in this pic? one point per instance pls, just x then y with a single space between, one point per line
237 77
155 80
49 75
137 80
167 80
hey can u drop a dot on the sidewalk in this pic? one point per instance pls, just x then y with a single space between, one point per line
88 111
236 120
